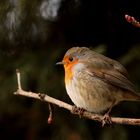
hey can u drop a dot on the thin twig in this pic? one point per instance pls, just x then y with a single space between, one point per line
18 79
86 114
50 118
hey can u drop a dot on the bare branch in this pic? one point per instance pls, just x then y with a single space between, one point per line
86 114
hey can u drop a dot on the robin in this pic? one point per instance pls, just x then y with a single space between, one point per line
95 82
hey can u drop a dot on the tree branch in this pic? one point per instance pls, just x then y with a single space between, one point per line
86 114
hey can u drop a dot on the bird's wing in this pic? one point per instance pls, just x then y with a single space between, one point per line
112 77
107 69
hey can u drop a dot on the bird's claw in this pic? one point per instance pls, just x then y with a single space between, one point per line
106 120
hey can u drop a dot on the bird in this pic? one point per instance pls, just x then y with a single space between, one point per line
94 82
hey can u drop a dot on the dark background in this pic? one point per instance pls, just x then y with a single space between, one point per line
34 35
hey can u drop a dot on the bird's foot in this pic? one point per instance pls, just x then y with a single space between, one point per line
106 120
78 110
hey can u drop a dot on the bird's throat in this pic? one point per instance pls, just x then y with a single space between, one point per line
69 71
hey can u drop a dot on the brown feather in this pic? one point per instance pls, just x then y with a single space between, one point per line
114 79
108 70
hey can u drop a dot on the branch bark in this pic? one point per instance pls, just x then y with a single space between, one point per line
86 114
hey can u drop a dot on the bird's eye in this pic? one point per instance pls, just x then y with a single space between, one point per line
70 59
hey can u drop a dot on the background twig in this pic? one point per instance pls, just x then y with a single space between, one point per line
132 20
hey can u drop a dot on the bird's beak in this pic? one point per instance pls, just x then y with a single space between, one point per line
60 63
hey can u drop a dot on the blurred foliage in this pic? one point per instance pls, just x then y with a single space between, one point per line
34 35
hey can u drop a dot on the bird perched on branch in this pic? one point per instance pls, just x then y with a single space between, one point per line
95 82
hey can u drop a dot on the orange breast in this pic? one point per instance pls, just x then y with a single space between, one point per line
68 70
68 74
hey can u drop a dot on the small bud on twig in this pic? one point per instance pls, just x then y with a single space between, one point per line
132 20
